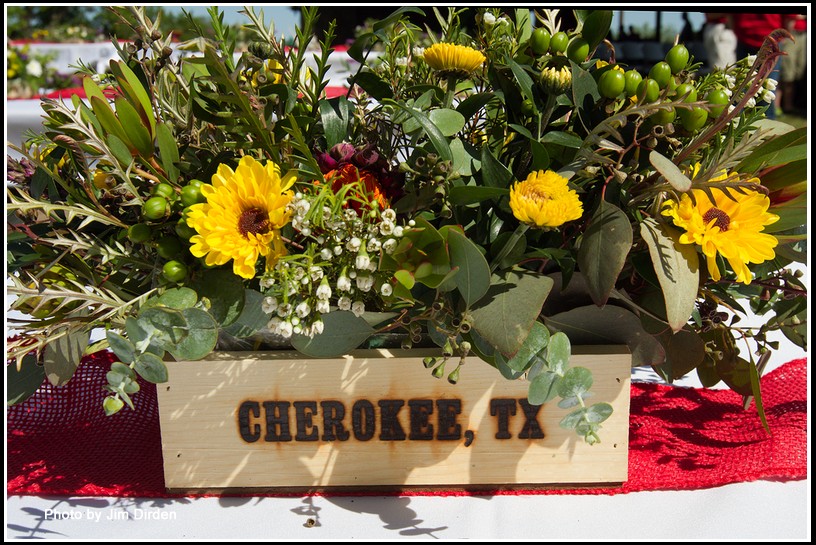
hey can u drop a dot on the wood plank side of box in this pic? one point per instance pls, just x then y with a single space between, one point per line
377 418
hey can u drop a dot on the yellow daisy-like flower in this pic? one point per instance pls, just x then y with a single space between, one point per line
545 200
454 58
242 217
731 226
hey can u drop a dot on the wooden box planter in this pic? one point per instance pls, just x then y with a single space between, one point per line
377 418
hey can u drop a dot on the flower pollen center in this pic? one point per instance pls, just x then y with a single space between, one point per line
722 220
537 194
255 221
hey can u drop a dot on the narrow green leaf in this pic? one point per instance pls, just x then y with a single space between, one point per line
437 139
374 85
110 123
472 104
20 385
670 171
135 86
471 194
343 332
677 267
138 133
473 278
603 250
523 79
494 173
335 115
62 356
120 150
168 150
92 89
562 139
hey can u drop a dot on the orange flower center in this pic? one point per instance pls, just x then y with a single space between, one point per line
255 221
722 219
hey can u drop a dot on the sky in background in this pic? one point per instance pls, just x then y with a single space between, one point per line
286 18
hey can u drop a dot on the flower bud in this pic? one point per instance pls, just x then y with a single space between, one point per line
556 81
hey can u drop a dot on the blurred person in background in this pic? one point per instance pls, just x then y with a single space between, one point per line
719 40
794 64
751 30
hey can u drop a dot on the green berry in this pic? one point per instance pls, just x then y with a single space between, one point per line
168 247
612 84
174 271
540 41
141 232
155 208
677 58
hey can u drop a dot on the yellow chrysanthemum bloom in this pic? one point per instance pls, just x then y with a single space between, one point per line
731 226
545 200
454 58
242 217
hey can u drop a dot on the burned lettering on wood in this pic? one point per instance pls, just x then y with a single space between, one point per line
272 419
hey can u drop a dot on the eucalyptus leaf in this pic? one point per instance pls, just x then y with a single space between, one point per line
151 368
604 247
20 385
534 344
677 267
178 298
573 419
598 412
448 121
685 350
343 332
112 405
543 388
201 338
225 292
121 346
166 326
592 325
473 278
501 364
670 172
575 382
505 316
252 317
559 351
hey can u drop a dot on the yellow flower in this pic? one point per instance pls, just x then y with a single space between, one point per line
545 200
242 217
454 58
731 226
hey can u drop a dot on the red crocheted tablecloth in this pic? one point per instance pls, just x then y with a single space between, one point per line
60 442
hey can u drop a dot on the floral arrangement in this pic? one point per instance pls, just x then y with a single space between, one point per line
28 73
496 191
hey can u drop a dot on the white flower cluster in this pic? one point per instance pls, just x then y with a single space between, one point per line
336 270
